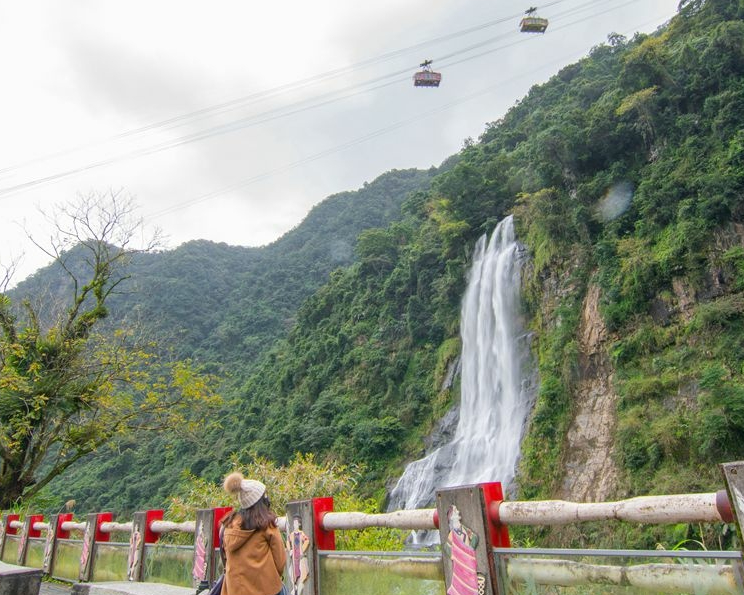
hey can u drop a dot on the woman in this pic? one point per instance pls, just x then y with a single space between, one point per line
253 545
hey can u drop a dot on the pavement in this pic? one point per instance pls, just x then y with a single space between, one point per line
54 589
125 588
118 588
30 578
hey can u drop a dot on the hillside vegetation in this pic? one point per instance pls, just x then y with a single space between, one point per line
626 174
219 306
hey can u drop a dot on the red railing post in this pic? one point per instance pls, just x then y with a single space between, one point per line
325 540
493 496
6 529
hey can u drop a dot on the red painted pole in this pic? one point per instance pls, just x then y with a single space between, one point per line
103 517
34 518
493 496
219 514
8 519
325 540
63 518
150 516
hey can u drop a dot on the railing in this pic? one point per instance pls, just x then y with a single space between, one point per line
520 571
472 522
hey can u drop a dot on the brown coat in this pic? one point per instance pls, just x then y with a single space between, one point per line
255 561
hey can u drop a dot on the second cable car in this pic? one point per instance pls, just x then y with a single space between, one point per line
426 77
532 23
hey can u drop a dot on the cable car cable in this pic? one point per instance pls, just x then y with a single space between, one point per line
552 32
349 144
240 102
250 121
242 123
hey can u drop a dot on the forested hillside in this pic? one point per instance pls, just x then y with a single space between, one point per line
220 306
626 175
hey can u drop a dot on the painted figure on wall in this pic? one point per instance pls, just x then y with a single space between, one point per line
461 542
3 522
199 571
48 546
22 543
135 551
87 545
297 544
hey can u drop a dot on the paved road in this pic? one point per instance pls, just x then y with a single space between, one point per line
54 589
114 588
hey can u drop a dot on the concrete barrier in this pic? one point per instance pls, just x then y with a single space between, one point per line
19 580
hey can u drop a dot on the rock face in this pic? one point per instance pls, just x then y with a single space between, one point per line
591 474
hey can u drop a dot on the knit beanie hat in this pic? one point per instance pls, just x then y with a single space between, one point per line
248 491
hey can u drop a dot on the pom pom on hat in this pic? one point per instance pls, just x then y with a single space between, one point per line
232 483
248 491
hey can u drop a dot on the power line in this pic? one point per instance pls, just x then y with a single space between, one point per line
240 102
370 136
256 119
276 113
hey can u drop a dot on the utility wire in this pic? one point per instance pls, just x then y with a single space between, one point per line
551 32
278 113
370 136
241 102
274 114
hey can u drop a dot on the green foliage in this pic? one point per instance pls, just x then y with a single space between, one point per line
349 363
302 478
223 307
67 389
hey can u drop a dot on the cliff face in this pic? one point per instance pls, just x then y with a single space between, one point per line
647 407
590 467
634 223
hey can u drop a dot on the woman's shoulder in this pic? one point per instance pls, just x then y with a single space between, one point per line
234 523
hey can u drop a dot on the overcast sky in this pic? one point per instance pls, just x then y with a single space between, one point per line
229 120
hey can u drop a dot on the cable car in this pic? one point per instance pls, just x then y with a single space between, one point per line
532 23
426 77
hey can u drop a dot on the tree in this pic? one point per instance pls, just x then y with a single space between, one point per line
68 386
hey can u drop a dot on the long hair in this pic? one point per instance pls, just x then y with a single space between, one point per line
259 516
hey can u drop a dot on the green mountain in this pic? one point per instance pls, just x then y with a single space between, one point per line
220 306
626 176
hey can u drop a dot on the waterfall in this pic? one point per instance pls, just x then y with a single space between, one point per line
496 391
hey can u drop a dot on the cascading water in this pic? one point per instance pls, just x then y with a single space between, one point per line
496 390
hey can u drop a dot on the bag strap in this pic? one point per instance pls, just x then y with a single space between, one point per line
223 555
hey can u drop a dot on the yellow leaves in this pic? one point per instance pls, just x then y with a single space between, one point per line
651 48
38 403
637 101
195 387
633 252
303 477
17 350
35 370
151 398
